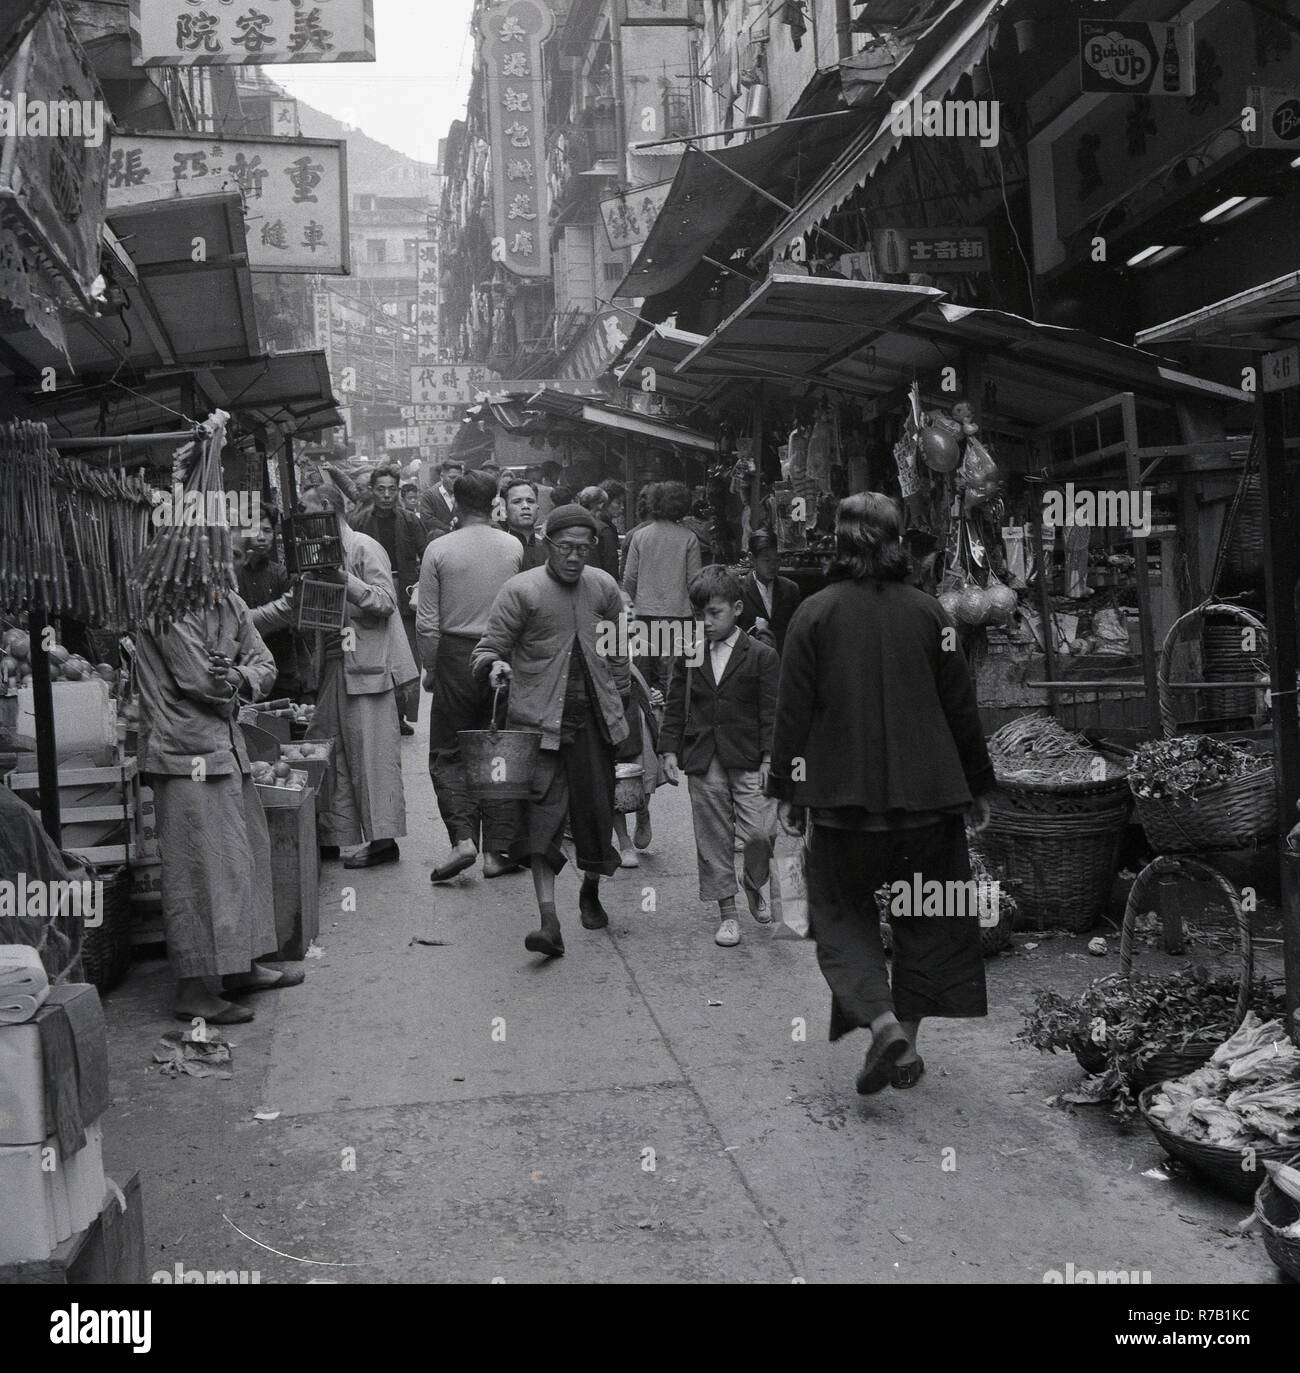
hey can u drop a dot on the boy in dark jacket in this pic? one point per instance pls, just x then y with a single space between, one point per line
719 721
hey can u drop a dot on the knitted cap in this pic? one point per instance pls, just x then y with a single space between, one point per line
569 517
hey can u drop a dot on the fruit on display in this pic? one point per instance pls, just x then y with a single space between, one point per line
973 605
1002 603
951 602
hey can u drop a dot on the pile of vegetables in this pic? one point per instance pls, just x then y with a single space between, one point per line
1186 766
1127 1021
16 662
1037 748
277 775
1247 1094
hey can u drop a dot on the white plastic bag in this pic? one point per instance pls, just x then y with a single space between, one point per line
790 891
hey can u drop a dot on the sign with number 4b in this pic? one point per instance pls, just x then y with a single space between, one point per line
1281 369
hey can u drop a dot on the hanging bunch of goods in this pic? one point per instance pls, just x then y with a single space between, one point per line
189 565
971 592
1136 1032
1241 1107
33 570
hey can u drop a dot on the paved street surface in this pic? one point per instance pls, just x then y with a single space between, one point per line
638 1111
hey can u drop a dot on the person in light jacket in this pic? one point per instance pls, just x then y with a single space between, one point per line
193 674
551 635
878 747
360 671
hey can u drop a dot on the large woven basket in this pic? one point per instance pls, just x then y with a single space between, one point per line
1181 1059
1057 848
106 948
1236 815
1230 1170
1277 1212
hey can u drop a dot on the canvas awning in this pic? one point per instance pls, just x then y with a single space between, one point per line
660 351
1261 319
292 389
175 313
626 421
875 339
941 56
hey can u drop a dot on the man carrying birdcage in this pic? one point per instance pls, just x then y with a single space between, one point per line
360 667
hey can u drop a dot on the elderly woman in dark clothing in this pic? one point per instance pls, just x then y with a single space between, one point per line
878 751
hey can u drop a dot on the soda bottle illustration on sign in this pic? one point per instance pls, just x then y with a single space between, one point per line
1172 65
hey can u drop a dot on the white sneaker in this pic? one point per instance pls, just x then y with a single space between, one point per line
728 933
628 859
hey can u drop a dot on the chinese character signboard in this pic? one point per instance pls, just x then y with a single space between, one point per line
284 119
324 323
658 11
183 33
426 300
295 190
449 383
629 217
1130 57
513 35
431 414
932 250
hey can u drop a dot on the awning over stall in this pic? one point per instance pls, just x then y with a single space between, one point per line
1261 319
292 389
600 416
660 351
874 339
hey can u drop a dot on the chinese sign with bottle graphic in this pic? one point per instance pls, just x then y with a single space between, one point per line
1131 57
184 33
513 35
294 189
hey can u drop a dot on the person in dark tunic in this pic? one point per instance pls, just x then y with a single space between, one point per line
596 500
770 600
878 748
521 508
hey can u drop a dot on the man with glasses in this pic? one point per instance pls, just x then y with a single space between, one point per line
542 638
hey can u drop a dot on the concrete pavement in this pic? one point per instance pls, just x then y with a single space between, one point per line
649 1108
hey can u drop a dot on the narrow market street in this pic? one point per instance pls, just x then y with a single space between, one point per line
644 1114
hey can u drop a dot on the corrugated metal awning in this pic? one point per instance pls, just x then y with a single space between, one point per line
875 339
581 411
661 350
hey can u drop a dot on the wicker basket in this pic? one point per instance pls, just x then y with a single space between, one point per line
1057 848
1226 1169
1170 1063
1236 815
106 949
1277 1212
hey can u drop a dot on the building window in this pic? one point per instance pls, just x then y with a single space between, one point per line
410 250
376 250
614 273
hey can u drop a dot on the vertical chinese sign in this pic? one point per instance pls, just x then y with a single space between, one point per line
324 324
513 35
426 300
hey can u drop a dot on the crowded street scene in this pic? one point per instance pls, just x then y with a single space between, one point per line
650 642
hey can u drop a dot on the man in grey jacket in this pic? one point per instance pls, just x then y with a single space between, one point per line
544 638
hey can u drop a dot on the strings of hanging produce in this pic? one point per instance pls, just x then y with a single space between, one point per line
189 564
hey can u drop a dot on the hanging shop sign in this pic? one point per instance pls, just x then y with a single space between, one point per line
629 217
1131 57
513 35
656 12
428 263
284 119
54 141
406 437
324 324
1281 370
932 250
431 414
441 434
449 383
294 190
602 341
1277 117
530 386
188 33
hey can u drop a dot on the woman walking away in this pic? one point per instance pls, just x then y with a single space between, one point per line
878 749
663 557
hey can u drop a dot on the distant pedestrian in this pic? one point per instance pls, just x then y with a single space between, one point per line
770 600
663 557
459 581
880 750
520 498
596 500
718 727
438 502
544 638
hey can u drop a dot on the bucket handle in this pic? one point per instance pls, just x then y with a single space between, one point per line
496 696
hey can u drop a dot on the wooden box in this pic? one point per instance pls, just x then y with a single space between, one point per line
109 1251
295 873
92 800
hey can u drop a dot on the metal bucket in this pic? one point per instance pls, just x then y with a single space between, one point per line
499 763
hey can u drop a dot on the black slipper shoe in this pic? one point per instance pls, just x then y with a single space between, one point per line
908 1074
373 857
285 977
541 942
878 1066
444 872
591 912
